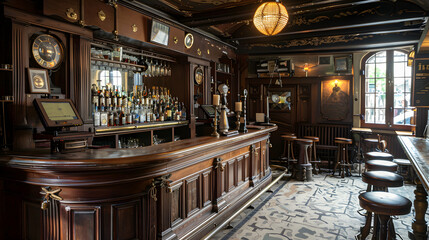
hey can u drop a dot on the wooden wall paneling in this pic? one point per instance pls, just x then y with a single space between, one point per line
84 222
253 165
192 194
31 220
95 10
241 164
66 9
207 183
132 24
175 39
126 220
246 166
82 80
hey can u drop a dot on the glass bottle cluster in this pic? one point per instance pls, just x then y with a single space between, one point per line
115 108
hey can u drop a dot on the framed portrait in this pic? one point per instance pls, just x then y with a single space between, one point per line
324 60
341 64
159 33
335 99
38 80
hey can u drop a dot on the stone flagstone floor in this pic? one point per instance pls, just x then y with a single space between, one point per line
325 208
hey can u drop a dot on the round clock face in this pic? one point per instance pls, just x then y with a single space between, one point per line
199 75
189 40
47 51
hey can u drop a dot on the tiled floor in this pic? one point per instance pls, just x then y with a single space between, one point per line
325 208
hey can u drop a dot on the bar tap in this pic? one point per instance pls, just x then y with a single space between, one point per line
243 121
223 122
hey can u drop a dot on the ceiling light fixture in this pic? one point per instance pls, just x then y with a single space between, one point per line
271 17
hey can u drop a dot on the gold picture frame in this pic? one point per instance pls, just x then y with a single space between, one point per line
38 80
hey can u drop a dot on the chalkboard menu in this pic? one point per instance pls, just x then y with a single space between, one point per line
421 83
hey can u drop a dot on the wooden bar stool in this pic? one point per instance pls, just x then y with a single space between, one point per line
342 155
381 165
378 181
384 205
378 156
312 154
303 169
371 144
288 151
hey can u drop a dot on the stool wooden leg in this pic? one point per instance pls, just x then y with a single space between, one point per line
376 228
364 231
342 166
316 164
338 161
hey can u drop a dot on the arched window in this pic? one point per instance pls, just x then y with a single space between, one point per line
386 90
113 77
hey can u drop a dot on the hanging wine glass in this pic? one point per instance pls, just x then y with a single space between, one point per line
149 69
162 69
169 70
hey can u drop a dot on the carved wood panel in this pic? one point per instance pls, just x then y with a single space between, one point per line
176 203
193 195
246 166
231 175
51 221
31 225
125 220
100 14
84 222
132 24
240 170
207 187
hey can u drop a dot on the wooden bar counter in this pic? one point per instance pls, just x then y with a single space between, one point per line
178 190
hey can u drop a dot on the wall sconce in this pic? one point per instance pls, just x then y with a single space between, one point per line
306 68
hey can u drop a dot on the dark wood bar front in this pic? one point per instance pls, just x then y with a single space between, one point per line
175 190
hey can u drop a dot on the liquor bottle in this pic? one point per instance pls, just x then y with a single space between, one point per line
107 96
183 111
103 117
111 121
142 114
168 110
119 97
128 117
96 117
122 116
115 98
116 114
102 100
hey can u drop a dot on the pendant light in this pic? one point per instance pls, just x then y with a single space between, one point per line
271 17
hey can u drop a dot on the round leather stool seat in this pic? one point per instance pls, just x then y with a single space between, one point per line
378 156
315 139
385 203
288 133
402 162
289 137
304 141
343 140
381 165
383 179
371 140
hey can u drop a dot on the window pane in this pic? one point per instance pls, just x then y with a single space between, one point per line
369 116
399 56
380 85
380 116
407 99
408 85
398 116
371 59
398 85
369 70
380 100
369 100
380 57
399 70
399 100
409 116
407 71
380 70
370 86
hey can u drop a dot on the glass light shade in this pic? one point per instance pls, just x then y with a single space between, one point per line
410 58
270 18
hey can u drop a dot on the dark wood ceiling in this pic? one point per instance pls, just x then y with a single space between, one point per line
314 25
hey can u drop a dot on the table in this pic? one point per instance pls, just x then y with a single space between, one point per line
417 150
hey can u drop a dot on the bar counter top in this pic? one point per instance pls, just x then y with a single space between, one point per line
128 157
417 150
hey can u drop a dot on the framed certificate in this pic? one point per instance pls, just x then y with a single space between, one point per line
159 33
38 80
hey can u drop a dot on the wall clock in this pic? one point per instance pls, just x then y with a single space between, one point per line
47 51
189 40
198 75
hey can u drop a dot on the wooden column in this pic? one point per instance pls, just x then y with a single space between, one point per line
419 224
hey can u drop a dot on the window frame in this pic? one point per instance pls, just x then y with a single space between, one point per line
389 92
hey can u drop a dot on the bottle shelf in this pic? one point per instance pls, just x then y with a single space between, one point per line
116 62
140 127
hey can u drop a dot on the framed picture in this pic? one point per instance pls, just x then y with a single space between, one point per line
335 99
38 80
324 60
159 33
341 64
